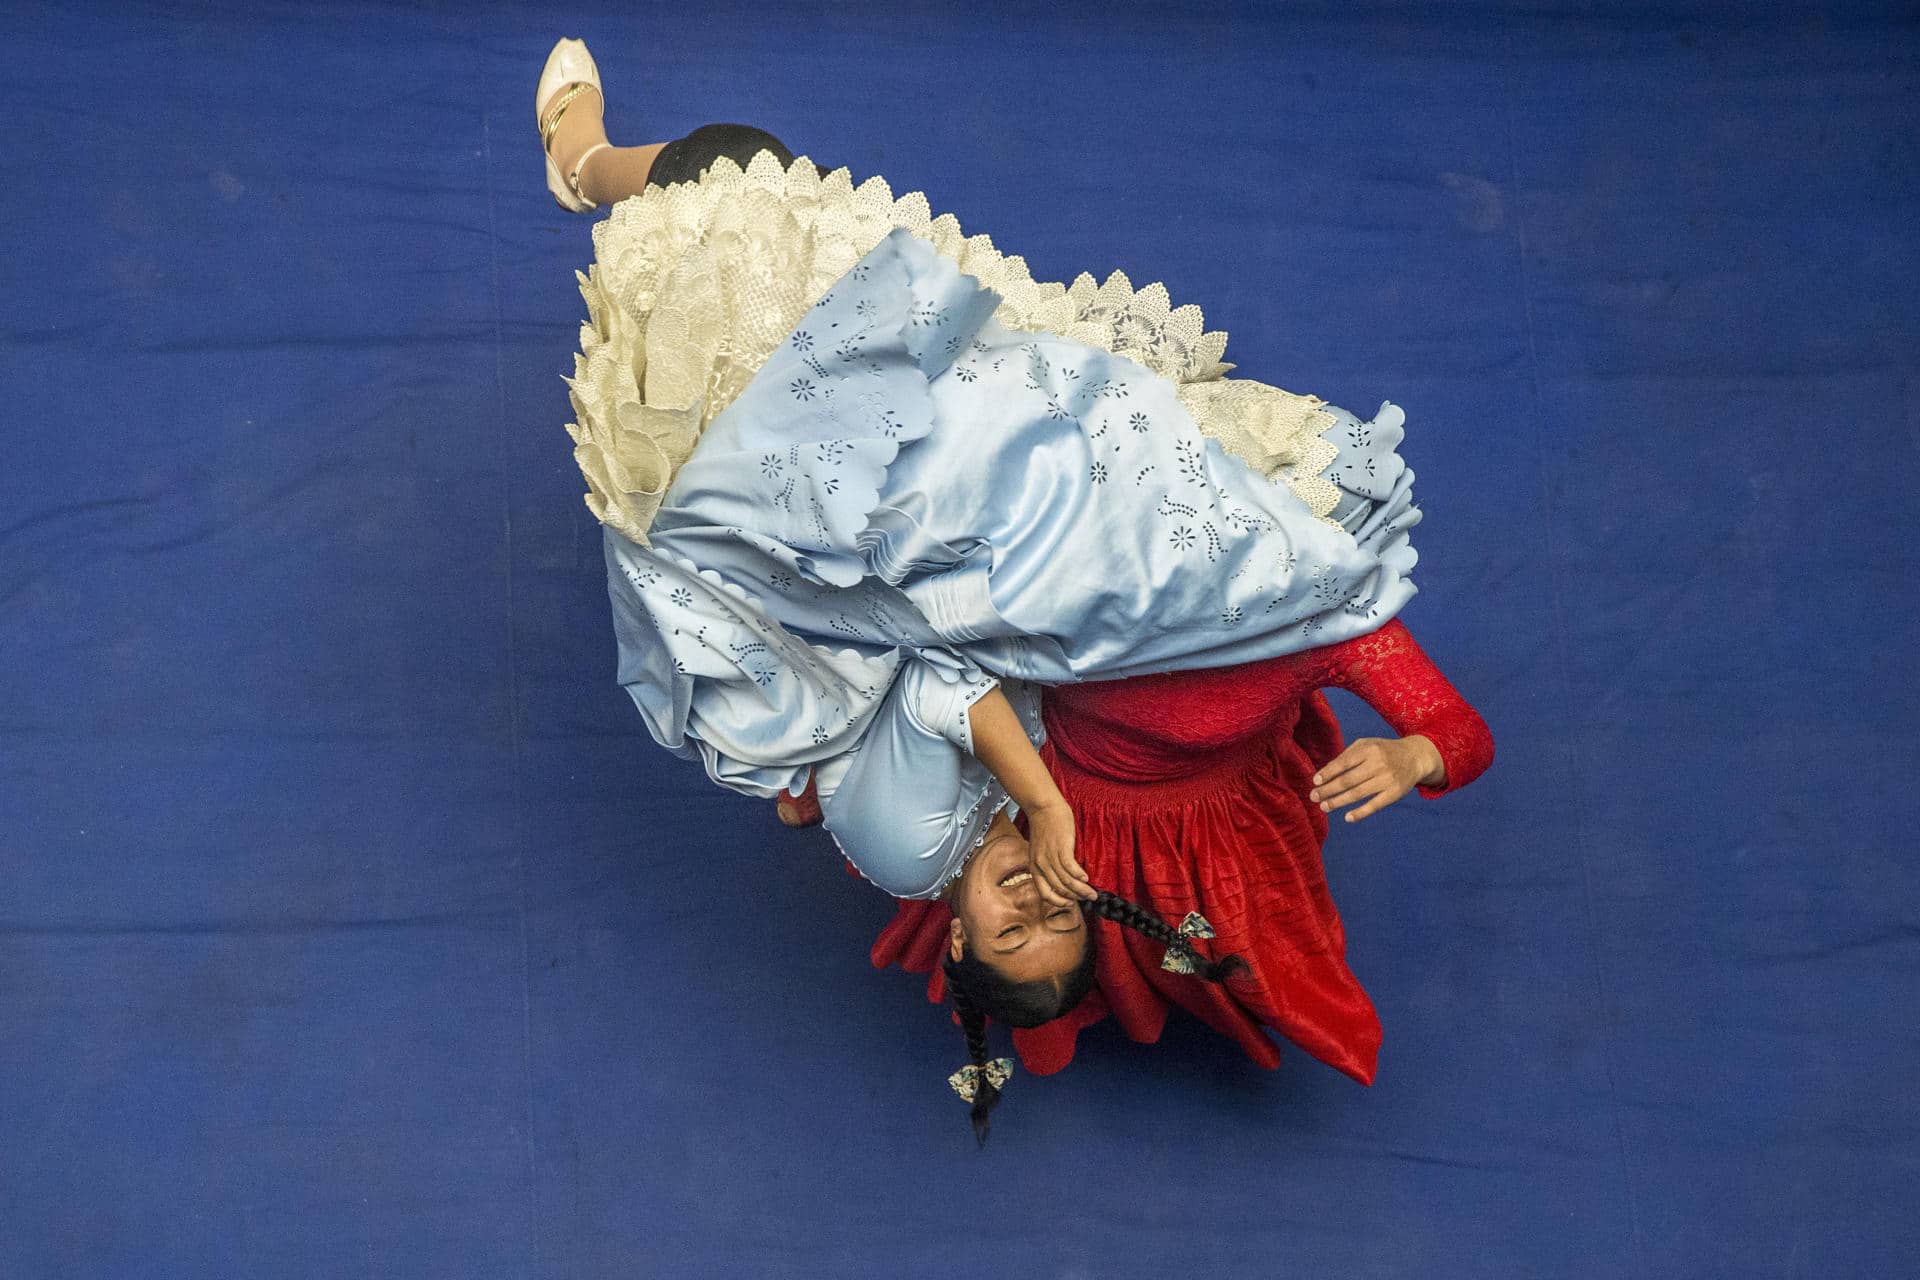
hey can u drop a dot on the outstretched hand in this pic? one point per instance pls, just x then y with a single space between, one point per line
1377 771
1050 833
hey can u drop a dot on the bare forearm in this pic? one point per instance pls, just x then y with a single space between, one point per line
1000 741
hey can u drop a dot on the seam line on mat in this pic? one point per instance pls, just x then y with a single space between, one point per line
1564 661
513 693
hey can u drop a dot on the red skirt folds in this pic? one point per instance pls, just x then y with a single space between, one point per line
1189 791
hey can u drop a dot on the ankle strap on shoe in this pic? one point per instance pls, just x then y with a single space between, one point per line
579 166
552 121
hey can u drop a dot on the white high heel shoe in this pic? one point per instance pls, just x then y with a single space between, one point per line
571 66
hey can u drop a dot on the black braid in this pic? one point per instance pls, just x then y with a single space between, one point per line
1133 916
986 1094
979 991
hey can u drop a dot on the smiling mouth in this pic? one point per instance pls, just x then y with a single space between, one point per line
1016 877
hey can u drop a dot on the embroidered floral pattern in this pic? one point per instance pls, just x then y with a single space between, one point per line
681 317
1215 548
1190 466
1326 588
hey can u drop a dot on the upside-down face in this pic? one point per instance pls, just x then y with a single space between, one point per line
1000 918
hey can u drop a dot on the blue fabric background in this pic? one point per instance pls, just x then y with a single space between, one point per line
350 924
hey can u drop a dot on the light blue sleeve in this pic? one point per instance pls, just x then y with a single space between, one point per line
911 802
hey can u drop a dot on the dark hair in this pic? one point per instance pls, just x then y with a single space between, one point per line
979 991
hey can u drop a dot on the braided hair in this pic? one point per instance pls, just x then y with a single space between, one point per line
979 991
1132 915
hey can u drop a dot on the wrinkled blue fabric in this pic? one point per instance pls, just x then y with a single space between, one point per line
907 481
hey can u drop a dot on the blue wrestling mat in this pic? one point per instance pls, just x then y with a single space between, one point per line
352 925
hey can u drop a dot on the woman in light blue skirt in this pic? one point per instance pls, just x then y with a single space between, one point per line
868 489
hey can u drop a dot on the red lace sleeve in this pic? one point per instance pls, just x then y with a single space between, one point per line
1393 674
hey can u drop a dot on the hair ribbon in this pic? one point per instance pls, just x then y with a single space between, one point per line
966 1081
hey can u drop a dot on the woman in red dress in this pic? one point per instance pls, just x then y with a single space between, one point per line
1201 796
1209 791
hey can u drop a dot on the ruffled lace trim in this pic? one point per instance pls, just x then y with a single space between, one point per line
1275 432
694 285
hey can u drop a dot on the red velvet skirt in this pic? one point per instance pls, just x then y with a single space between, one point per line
1235 838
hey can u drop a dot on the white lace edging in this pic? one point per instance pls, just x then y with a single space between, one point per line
694 285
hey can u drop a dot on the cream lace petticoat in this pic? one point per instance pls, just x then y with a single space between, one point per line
695 284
